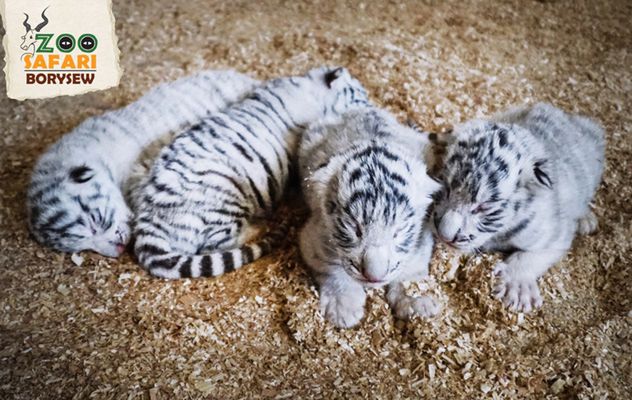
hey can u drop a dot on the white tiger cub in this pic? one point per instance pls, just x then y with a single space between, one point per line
75 200
207 189
521 183
364 179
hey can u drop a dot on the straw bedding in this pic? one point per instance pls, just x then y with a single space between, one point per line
106 330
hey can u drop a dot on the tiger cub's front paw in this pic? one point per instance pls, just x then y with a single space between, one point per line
587 224
407 307
519 292
342 309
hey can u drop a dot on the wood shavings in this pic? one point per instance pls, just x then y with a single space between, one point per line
153 393
431 371
205 386
77 259
63 289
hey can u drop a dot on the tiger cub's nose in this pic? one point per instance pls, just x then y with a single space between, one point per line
449 226
375 264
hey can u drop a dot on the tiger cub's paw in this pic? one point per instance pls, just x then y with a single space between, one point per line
587 224
344 310
518 292
409 306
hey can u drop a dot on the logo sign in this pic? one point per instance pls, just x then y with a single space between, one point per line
58 47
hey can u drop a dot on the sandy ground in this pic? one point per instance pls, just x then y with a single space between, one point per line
107 330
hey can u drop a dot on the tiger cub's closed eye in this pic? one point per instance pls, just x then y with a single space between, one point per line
480 208
358 230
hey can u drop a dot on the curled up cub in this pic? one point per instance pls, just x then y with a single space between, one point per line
521 183
368 192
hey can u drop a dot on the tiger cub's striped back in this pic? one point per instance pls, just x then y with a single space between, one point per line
207 190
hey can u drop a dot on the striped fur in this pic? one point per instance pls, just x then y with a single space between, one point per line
521 183
213 182
75 199
365 182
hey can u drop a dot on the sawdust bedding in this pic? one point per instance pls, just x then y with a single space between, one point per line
107 330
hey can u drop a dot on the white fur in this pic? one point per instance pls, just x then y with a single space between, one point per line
554 163
343 273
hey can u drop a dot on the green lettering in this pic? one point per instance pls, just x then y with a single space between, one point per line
45 38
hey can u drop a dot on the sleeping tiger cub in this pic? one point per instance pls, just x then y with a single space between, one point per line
521 183
76 199
365 182
201 201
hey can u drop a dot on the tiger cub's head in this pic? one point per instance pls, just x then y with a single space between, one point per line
320 93
374 206
341 91
492 173
75 205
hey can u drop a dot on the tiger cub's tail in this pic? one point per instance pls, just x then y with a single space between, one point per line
163 263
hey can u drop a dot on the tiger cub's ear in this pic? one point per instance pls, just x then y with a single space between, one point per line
334 75
537 176
424 189
541 174
324 180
